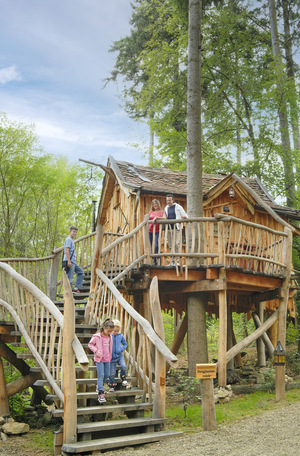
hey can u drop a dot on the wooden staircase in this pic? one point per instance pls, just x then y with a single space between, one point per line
121 421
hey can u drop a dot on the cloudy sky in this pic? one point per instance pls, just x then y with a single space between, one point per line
54 57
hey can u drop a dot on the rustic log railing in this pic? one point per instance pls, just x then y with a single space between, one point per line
36 270
136 329
40 323
197 242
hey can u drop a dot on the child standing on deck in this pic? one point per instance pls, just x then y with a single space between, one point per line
101 345
119 345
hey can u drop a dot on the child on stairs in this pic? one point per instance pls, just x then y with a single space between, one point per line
119 345
101 344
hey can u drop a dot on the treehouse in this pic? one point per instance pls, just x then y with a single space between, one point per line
237 256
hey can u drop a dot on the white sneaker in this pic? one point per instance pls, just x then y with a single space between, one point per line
124 382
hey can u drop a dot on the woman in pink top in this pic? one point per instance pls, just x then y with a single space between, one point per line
155 214
101 344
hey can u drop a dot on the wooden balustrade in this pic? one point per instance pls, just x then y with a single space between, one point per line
40 323
247 245
108 302
36 270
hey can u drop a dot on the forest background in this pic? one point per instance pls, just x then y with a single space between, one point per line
245 89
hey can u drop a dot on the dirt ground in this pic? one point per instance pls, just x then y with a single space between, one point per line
273 433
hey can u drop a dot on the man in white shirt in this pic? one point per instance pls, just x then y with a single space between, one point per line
174 211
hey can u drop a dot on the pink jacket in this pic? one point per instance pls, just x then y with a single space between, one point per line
95 345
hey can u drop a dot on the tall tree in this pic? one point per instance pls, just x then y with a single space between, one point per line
40 195
286 155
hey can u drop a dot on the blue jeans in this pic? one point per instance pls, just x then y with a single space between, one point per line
103 372
155 243
113 368
75 269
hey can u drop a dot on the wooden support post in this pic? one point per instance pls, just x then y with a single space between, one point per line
209 421
264 337
283 302
4 407
237 359
95 265
160 365
230 364
261 352
273 333
197 340
279 383
68 363
282 311
206 373
53 275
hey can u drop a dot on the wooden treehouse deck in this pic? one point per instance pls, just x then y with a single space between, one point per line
234 265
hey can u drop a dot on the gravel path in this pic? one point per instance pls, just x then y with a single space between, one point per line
272 433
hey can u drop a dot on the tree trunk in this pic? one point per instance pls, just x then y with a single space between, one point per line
293 96
282 109
197 339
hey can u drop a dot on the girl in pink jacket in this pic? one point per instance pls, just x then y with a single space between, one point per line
101 344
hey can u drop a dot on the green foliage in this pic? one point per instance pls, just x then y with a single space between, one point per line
40 195
240 97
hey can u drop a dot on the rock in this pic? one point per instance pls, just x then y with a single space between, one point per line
224 400
2 420
10 420
288 379
3 437
15 428
29 408
47 418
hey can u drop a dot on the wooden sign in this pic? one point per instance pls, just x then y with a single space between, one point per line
204 371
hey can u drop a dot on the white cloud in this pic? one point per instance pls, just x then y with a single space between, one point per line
9 74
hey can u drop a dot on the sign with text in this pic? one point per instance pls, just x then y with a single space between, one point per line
205 371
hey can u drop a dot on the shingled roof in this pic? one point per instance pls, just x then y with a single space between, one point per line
164 180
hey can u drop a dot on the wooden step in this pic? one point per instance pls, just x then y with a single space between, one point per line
94 395
87 381
119 424
94 410
117 442
31 356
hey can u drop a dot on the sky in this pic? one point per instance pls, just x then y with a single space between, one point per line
53 60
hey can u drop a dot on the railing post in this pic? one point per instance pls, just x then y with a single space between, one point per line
53 275
147 246
160 363
68 363
95 265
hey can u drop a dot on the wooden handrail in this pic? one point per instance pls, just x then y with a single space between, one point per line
145 325
124 238
48 306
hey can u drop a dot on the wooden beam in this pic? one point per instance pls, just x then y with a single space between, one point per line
10 356
190 287
264 283
23 383
170 274
266 296
252 337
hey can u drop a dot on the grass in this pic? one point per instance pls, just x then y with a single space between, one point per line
238 408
